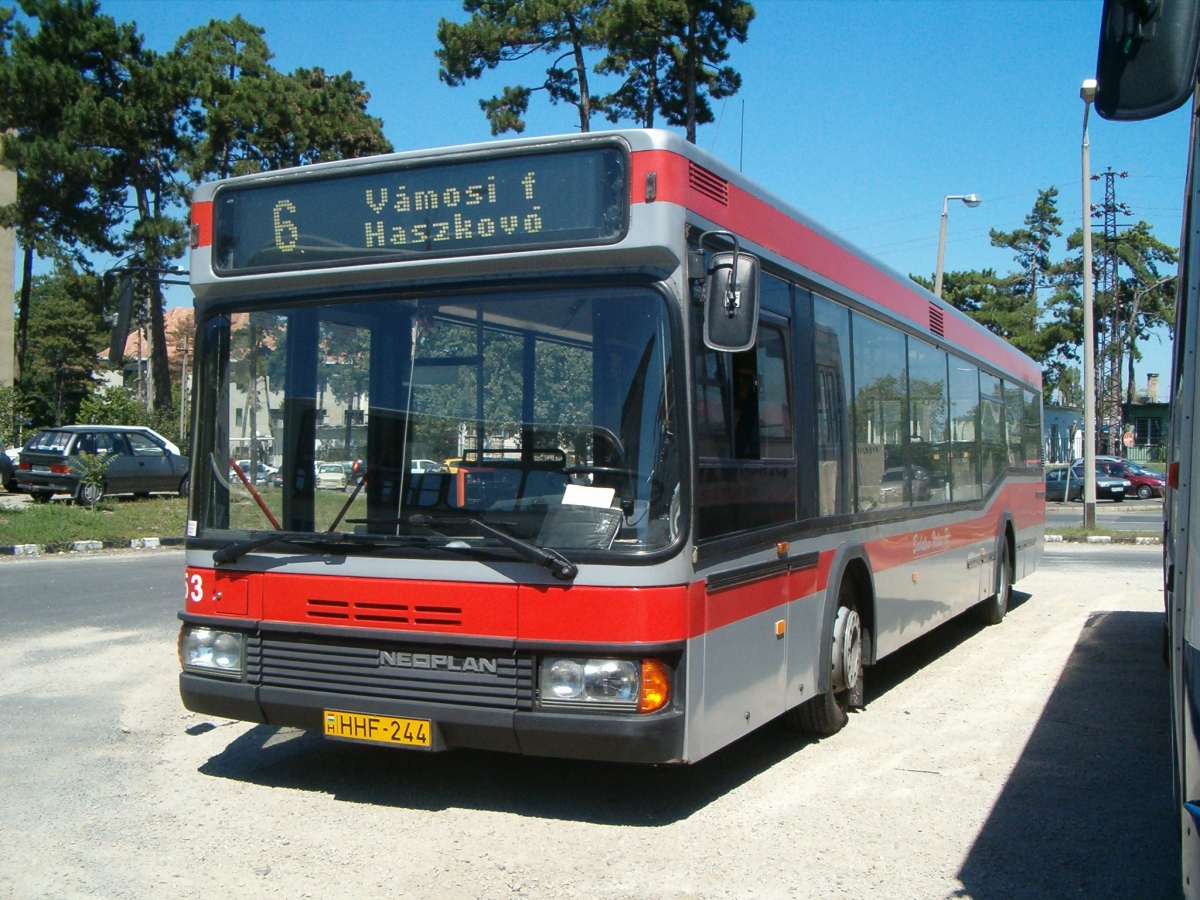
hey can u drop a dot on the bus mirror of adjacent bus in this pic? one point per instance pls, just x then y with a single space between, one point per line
1148 55
731 302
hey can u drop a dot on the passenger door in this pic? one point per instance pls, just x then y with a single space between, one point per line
153 469
120 476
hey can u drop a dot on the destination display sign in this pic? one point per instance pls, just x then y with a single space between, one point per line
556 199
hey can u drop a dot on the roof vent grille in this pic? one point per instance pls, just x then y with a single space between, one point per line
705 182
937 320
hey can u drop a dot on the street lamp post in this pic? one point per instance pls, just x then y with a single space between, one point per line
971 200
1087 93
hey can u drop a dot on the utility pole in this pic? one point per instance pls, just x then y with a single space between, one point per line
183 404
1110 357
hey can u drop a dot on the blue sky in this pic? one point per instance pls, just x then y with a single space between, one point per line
862 114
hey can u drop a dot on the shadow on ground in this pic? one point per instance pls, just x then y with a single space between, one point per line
601 793
1087 811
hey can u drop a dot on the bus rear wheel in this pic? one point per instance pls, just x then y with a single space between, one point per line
827 713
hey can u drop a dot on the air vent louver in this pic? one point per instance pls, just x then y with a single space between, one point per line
937 320
348 611
705 182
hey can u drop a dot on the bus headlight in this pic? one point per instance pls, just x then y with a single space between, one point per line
618 685
206 648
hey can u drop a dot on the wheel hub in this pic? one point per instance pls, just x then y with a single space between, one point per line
847 650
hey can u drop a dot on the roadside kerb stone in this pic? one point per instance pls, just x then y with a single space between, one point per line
1101 539
148 543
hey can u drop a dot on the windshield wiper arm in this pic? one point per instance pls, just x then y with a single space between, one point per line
235 551
553 561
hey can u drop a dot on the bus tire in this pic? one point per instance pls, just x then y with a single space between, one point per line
827 713
993 609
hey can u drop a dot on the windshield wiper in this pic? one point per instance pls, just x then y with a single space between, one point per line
551 560
235 551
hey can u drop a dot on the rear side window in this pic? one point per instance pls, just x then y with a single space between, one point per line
53 441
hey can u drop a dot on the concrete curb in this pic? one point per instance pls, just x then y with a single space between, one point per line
1101 539
147 543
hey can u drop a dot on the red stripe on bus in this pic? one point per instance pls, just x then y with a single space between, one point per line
571 613
767 226
911 547
618 615
202 216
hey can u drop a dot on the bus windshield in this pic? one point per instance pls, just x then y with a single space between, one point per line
547 415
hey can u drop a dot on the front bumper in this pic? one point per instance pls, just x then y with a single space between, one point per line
474 693
653 738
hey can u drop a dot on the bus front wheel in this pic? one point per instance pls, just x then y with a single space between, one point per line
827 713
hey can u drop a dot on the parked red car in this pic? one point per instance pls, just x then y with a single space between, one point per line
1142 483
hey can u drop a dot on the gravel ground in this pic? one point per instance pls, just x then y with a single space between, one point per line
1026 760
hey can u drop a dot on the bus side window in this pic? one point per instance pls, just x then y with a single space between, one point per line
832 390
744 435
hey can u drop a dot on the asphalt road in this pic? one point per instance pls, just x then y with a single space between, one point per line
136 591
1026 760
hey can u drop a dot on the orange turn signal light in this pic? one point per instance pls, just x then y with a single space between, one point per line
656 685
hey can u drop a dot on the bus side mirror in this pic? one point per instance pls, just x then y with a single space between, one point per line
1148 57
731 302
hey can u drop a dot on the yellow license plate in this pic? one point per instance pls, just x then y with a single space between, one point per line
377 729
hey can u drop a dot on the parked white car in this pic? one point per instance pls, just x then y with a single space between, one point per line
331 477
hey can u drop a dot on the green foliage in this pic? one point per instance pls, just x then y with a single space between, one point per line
1066 382
111 405
52 83
668 54
695 73
247 117
92 472
66 332
506 30
12 406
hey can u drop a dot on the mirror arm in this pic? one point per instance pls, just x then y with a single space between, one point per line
733 297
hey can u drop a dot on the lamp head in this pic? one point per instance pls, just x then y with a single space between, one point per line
971 200
1087 93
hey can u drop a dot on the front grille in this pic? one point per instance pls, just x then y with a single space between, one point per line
449 675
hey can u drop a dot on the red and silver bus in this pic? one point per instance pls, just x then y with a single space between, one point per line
648 458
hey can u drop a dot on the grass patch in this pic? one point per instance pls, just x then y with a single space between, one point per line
115 519
1079 533
123 519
